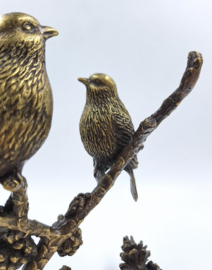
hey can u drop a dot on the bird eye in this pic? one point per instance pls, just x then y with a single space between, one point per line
27 26
98 82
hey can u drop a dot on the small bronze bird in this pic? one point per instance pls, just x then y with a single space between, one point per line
25 92
106 126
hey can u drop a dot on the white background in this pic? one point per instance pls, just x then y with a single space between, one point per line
143 45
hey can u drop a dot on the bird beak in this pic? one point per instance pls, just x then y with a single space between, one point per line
84 81
48 32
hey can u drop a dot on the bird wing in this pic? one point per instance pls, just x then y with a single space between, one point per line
123 129
122 125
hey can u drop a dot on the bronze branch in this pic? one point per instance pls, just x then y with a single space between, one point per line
64 236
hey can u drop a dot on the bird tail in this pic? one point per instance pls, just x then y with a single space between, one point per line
132 184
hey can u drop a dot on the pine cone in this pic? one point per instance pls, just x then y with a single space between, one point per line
15 250
136 256
65 268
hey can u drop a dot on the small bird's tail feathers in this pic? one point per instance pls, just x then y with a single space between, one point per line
132 184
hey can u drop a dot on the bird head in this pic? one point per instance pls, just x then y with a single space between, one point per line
100 88
17 29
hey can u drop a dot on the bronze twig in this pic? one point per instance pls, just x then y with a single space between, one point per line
64 236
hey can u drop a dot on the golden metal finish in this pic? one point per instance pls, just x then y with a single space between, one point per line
25 114
136 256
106 126
25 93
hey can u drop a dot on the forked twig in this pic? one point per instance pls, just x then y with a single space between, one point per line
64 236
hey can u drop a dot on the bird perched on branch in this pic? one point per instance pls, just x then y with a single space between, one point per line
106 126
25 91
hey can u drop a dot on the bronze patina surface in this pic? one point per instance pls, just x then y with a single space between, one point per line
25 93
136 256
25 115
106 126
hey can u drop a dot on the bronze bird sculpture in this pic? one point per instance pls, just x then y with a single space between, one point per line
106 126
25 92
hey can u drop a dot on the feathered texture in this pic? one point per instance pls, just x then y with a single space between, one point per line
105 125
25 94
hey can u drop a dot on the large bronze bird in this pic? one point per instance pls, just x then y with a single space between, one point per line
106 126
25 91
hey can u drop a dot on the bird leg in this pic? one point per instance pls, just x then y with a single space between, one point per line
99 170
98 175
16 246
18 200
14 180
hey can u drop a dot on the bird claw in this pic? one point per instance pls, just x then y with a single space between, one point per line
14 182
11 184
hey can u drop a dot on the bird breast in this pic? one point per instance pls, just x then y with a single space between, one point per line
25 107
97 133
